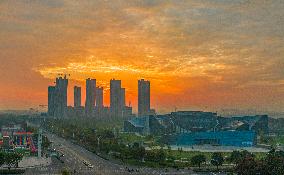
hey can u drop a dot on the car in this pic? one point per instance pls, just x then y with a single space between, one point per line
86 163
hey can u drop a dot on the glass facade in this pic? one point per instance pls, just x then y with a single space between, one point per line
222 138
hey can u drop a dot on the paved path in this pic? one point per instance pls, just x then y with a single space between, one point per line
53 169
29 162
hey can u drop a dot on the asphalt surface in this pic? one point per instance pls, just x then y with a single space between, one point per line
55 168
78 160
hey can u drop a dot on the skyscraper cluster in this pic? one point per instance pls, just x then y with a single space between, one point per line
94 105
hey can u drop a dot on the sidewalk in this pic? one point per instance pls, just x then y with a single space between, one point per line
31 162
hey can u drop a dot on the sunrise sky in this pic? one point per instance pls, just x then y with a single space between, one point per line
198 54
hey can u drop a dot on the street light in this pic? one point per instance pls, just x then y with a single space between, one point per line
98 139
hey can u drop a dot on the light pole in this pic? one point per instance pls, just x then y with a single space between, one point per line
98 139
39 142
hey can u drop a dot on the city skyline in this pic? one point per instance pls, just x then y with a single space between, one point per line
122 87
208 55
94 101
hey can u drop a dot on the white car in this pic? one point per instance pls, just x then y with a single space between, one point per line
91 166
88 164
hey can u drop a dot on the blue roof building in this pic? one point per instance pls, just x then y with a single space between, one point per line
222 138
186 128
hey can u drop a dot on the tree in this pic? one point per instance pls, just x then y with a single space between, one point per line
45 143
141 152
237 156
217 159
198 160
107 134
65 172
249 166
169 149
150 155
138 152
12 159
274 162
17 159
271 165
2 158
161 155
156 155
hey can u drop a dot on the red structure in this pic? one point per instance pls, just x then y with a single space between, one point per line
24 139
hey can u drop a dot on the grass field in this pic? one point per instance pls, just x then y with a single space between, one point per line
132 138
187 155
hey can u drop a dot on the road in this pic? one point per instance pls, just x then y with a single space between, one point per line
53 169
75 156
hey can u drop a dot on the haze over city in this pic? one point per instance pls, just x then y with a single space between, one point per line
208 55
142 87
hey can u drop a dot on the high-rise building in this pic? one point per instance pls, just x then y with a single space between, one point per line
143 97
77 96
115 97
51 100
122 103
57 97
61 96
122 97
90 96
99 97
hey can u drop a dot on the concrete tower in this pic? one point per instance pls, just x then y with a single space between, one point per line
115 97
60 96
77 96
99 97
90 96
143 97
51 100
122 97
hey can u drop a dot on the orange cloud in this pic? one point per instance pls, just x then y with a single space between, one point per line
209 54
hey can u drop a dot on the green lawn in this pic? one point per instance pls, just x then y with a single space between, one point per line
130 138
278 140
187 155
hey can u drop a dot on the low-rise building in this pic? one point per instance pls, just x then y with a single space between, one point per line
198 127
218 138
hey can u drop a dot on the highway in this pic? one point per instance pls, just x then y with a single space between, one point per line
80 161
75 156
